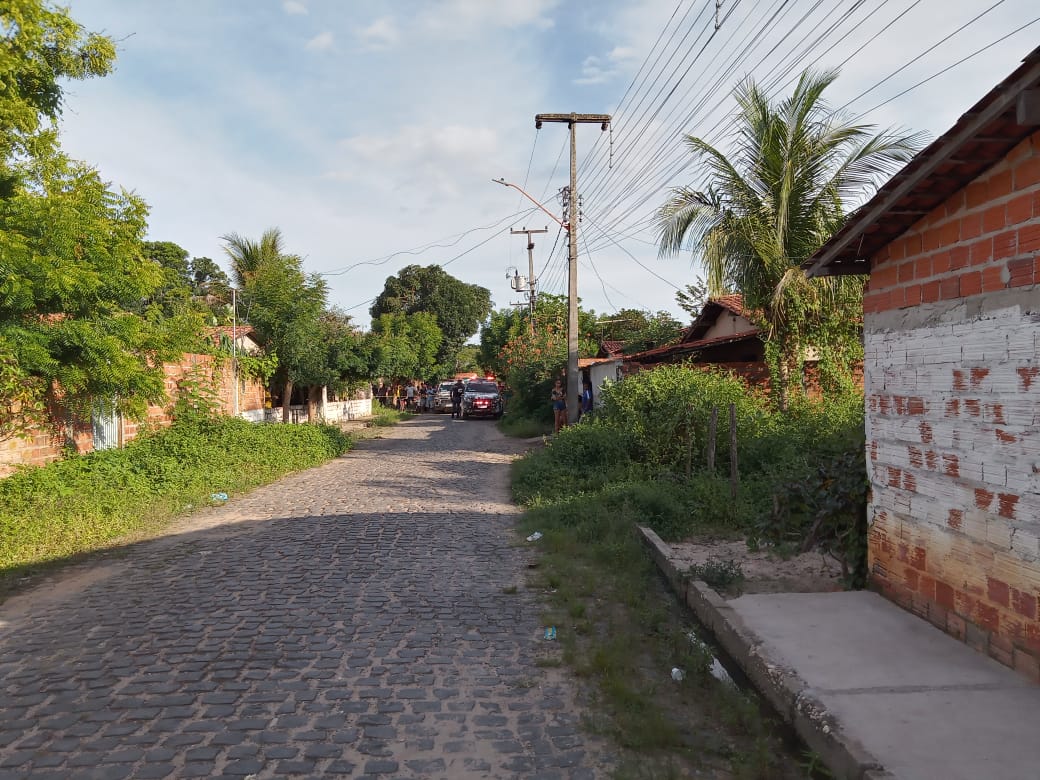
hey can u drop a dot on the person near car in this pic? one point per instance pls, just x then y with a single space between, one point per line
558 396
457 392
409 394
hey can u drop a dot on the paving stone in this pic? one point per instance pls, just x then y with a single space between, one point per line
353 624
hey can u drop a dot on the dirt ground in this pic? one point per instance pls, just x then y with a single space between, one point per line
764 571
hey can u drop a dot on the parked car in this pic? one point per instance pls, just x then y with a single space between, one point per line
482 399
442 398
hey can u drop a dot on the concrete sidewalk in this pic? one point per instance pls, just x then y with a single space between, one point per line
876 691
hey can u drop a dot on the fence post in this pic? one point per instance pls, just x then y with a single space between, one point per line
713 424
734 474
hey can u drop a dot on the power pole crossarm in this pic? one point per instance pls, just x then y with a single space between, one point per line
601 119
530 267
573 378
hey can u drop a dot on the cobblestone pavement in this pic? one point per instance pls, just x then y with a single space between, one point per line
352 620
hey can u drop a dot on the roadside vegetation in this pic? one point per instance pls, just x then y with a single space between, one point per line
84 503
643 461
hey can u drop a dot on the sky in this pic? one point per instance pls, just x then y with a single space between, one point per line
370 132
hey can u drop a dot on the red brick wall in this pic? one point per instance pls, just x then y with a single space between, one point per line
48 444
952 336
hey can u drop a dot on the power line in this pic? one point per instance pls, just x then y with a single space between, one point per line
425 247
459 255
950 67
634 258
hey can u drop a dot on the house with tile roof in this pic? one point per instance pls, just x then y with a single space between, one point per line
952 373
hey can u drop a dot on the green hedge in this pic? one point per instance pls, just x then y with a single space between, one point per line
84 502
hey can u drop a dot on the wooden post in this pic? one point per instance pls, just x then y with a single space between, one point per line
734 475
713 424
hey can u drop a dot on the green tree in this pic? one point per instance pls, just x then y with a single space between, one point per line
692 297
72 278
351 358
460 308
285 306
795 167
407 345
40 47
175 291
638 330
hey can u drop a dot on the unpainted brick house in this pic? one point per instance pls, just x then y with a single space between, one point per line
952 336
722 335
103 431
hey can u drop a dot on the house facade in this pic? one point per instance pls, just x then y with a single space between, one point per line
104 430
722 335
952 374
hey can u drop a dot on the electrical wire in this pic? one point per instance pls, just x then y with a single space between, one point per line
975 53
425 247
459 255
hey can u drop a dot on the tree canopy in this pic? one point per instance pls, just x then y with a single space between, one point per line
73 274
40 46
782 192
459 308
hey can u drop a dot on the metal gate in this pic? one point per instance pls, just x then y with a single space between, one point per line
104 424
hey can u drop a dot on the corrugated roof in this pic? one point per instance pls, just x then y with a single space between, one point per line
979 140
693 346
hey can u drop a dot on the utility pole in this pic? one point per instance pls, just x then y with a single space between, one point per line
530 266
234 345
573 379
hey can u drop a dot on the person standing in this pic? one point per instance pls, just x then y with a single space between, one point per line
409 393
558 397
585 407
457 392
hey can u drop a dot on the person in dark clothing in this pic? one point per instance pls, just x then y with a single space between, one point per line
456 400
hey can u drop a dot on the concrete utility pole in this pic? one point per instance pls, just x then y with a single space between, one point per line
573 378
530 267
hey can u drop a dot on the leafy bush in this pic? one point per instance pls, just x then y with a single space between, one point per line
802 476
667 411
579 459
85 501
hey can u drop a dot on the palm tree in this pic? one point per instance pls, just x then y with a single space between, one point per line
247 256
772 203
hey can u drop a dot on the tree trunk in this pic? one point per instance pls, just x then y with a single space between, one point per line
287 400
313 403
785 381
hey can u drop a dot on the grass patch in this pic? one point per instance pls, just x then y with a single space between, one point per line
622 630
523 427
85 502
383 417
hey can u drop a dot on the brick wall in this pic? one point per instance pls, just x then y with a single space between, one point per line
952 338
48 444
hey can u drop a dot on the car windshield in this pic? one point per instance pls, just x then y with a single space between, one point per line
482 387
446 386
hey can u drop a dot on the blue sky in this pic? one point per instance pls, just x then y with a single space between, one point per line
364 129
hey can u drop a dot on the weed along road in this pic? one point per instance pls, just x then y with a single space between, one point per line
360 619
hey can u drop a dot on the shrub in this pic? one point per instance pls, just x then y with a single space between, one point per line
579 459
666 411
85 501
802 475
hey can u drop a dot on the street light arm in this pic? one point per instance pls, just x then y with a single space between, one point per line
556 219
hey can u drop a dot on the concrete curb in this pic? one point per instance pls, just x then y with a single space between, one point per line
786 692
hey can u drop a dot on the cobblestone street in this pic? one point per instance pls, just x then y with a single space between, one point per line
353 620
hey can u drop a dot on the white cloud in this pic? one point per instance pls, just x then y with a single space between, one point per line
461 18
430 162
383 33
294 7
320 42
593 72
